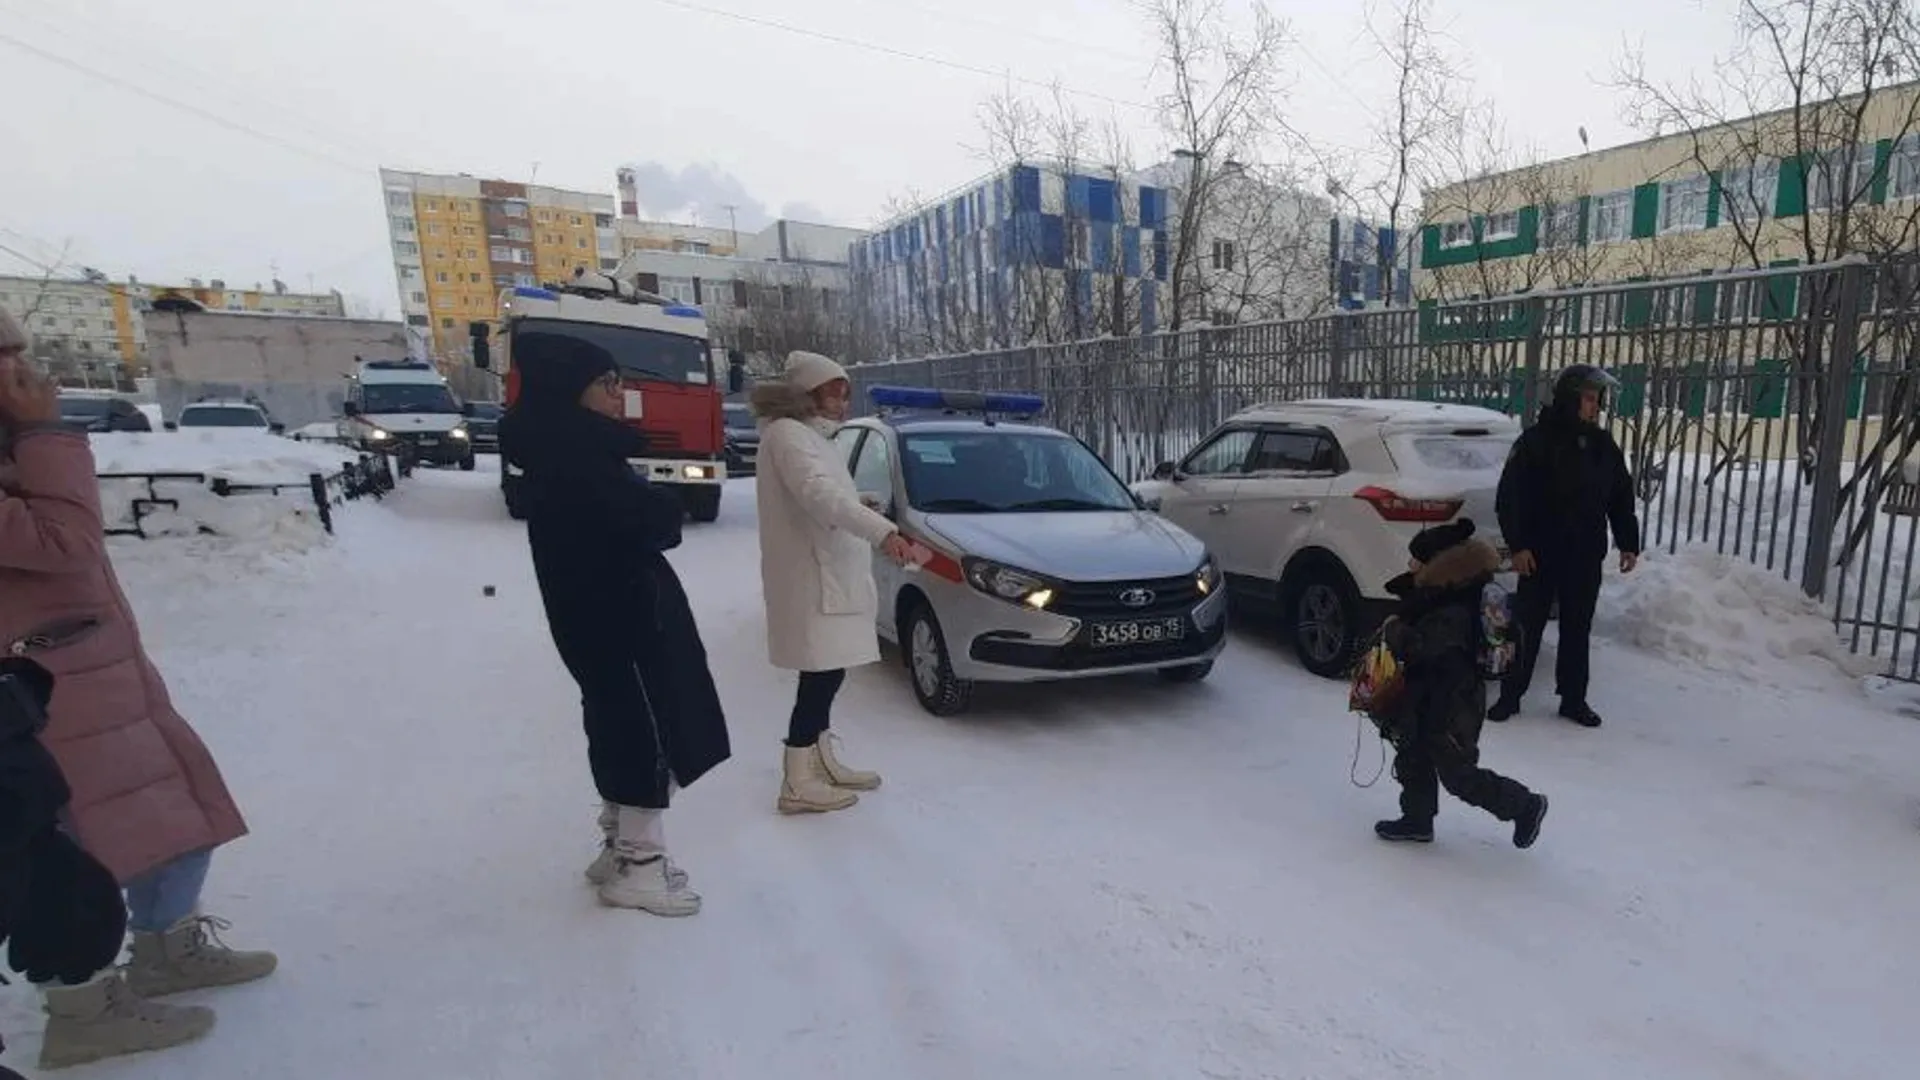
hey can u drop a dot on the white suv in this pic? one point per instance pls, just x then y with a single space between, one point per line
1309 505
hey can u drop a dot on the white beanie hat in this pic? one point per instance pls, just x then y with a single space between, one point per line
809 371
12 334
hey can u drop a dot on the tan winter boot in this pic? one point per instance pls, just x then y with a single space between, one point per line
842 776
803 784
103 1018
606 865
643 878
191 956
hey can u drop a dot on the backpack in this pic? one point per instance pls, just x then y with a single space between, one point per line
1499 632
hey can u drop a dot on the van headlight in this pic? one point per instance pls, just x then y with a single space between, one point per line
458 433
1207 578
378 435
1006 583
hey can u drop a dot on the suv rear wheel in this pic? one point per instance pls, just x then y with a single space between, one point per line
934 684
1325 619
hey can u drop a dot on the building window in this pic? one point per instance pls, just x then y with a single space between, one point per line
692 247
574 221
433 206
419 297
1563 225
446 324
1502 226
679 289
1223 255
1683 204
1747 194
407 247
1456 234
1612 215
520 233
502 254
400 200
443 302
433 228
403 225
527 280
580 242
440 277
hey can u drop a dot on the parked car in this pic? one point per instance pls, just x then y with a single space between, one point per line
743 439
483 426
1309 505
227 414
1043 565
102 410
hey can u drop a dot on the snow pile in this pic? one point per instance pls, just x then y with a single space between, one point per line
1724 613
236 455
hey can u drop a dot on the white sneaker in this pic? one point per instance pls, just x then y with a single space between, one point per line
642 877
803 784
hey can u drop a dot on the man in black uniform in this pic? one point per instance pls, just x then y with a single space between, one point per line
1565 484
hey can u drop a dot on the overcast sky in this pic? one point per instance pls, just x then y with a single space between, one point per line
236 140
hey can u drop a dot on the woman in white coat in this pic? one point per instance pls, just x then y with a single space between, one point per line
816 570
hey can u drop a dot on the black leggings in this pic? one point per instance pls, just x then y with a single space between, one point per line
813 706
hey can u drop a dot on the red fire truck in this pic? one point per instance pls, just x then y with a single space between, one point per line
666 368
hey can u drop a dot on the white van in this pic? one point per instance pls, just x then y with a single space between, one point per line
405 405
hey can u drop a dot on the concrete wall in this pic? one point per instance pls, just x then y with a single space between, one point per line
296 366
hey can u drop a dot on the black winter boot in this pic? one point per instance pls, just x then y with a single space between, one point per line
1405 830
1580 713
1503 711
1526 827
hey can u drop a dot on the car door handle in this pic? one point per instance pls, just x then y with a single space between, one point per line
1218 508
1302 508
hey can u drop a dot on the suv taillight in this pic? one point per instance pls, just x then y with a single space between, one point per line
1394 507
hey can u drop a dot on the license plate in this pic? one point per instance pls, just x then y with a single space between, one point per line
1139 632
429 442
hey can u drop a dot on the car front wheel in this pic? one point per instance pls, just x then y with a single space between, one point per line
934 684
1326 622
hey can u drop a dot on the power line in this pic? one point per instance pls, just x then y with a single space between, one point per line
186 107
902 54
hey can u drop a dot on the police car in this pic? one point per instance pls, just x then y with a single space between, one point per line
1037 563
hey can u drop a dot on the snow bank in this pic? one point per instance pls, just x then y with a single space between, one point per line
1724 613
239 456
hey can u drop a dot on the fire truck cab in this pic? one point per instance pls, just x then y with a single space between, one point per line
666 369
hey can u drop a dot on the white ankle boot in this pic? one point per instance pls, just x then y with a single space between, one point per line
642 877
606 863
804 788
838 774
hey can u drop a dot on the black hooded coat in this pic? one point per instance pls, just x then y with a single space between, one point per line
618 614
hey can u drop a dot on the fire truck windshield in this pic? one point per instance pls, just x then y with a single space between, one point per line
640 354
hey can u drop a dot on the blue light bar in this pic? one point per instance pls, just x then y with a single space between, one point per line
974 401
532 293
685 311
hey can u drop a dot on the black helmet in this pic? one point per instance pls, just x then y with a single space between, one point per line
1577 380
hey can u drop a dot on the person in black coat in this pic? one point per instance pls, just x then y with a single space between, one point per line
616 609
1566 483
1435 635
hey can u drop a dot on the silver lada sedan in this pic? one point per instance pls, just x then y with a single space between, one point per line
1037 563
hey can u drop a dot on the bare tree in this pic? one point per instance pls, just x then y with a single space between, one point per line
1219 107
1425 120
777 312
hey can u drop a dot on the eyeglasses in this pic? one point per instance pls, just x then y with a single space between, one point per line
610 382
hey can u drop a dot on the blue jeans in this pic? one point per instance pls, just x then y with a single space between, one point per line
168 893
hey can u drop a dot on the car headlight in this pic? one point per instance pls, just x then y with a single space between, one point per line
378 434
697 472
458 433
1006 583
1207 578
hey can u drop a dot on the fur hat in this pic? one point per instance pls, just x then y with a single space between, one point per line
809 371
1429 543
12 334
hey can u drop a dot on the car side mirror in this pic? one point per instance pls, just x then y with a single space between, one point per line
1164 471
170 425
277 428
466 409
350 409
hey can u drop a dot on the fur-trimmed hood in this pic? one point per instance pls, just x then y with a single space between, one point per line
1462 567
777 399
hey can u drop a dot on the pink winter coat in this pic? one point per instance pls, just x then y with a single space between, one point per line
145 790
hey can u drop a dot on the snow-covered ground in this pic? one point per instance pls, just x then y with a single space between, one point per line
1115 880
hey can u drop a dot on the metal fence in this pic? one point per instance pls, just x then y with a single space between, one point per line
1767 414
372 475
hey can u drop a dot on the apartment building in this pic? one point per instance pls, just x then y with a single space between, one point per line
458 240
91 322
1829 178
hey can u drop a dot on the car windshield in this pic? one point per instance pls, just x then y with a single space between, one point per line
407 398
485 410
222 416
640 354
739 418
993 471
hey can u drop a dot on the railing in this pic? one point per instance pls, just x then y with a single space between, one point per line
1744 432
373 475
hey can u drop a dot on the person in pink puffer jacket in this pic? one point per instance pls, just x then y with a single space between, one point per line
148 800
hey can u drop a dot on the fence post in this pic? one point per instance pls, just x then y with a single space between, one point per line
1337 355
321 501
1824 515
1535 354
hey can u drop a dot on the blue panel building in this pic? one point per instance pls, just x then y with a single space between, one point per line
1025 254
1359 252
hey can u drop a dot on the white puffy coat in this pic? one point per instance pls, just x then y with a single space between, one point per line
816 548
